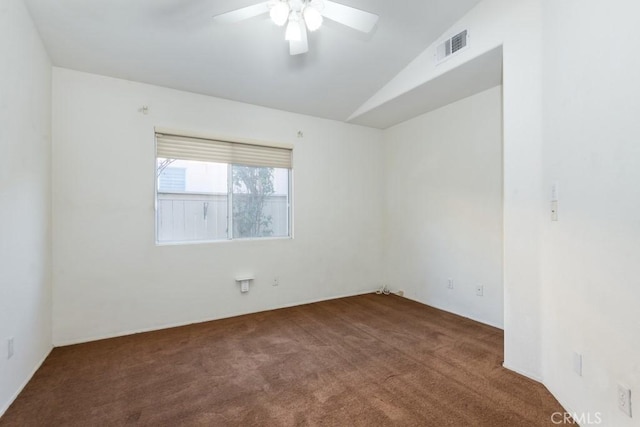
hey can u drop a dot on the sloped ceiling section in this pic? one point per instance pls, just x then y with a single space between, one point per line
175 44
474 76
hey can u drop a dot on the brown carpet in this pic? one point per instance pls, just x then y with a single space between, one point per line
370 360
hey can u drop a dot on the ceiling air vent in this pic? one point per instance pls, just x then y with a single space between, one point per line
451 46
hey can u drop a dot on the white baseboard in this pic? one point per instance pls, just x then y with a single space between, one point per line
560 401
529 375
191 322
466 316
24 384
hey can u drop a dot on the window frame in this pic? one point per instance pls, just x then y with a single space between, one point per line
230 237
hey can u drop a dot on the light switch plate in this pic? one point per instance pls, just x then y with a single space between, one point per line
554 192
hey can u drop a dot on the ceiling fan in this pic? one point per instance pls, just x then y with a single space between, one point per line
303 15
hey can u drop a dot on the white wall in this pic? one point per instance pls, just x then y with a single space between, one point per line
590 274
25 199
514 24
109 276
575 279
571 285
444 207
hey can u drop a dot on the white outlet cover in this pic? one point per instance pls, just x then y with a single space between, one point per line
577 363
624 400
480 290
10 348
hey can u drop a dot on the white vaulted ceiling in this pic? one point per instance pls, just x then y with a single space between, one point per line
176 44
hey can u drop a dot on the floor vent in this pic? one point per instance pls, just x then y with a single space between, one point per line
451 46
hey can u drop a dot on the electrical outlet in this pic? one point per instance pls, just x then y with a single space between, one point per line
276 281
479 290
624 400
450 283
10 348
577 363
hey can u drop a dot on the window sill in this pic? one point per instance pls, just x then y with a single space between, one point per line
226 241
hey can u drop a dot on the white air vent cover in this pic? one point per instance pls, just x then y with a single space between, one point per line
451 46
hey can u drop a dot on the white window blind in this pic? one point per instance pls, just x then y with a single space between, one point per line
210 150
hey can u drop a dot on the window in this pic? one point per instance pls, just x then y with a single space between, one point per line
209 190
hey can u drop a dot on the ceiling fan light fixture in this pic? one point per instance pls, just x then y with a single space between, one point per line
293 32
301 16
280 13
312 17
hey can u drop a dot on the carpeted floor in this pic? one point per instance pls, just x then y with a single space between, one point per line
369 360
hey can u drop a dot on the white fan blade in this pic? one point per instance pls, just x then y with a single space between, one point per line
349 16
242 14
302 45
